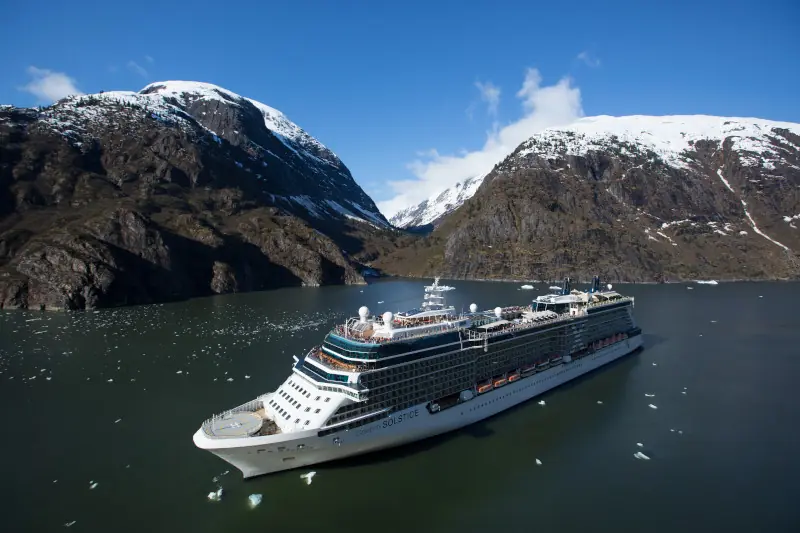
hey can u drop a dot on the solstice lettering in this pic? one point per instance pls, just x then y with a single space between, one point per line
394 420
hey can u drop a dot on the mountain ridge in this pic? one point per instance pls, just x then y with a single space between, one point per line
629 203
180 190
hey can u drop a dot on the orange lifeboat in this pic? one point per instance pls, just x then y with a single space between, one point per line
499 382
513 377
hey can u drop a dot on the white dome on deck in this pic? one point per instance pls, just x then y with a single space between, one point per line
387 318
473 308
498 312
363 313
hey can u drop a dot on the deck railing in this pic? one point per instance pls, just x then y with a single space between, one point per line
250 407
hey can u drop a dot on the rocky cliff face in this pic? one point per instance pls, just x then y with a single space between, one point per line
629 198
183 189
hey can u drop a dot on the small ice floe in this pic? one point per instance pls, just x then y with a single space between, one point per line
690 288
655 364
760 296
680 432
538 462
111 380
709 282
308 477
118 420
92 485
380 302
179 372
640 455
541 402
215 496
599 402
246 376
639 444
255 500
651 406
230 379
713 321
672 430
683 392
649 395
527 287
70 524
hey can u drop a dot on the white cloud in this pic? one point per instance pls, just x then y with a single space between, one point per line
149 59
136 68
49 86
589 59
490 94
542 107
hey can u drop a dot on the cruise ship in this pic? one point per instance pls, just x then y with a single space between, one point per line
381 381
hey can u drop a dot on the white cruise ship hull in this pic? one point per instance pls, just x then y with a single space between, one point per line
255 456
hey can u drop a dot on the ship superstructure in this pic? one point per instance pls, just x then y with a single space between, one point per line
381 381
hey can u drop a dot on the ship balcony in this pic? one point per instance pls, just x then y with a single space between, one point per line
314 371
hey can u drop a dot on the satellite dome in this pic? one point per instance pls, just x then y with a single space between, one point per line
363 313
498 311
473 308
387 318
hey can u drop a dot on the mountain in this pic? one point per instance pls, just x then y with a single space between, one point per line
430 212
630 198
179 190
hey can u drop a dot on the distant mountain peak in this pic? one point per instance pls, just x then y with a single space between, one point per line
430 211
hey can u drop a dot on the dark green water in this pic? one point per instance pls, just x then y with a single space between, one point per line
731 463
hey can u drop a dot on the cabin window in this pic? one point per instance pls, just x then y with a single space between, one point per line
327 399
308 409
316 411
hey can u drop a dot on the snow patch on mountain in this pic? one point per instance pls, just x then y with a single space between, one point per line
672 138
438 205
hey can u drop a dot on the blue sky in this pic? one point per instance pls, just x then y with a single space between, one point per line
402 91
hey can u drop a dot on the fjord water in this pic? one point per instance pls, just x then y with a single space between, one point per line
114 396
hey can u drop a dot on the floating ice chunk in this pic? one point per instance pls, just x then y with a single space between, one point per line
538 462
680 432
70 524
111 380
672 430
215 496
230 379
92 485
179 372
118 420
380 302
541 402
246 376
599 402
640 455
308 477
683 392
713 321
649 395
639 444
651 406
255 500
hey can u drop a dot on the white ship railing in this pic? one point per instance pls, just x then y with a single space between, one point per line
250 407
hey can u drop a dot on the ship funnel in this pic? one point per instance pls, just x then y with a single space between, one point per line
498 312
567 286
363 313
473 308
596 284
387 319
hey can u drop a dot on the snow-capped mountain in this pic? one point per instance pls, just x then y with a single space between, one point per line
636 198
671 138
322 185
430 211
178 190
